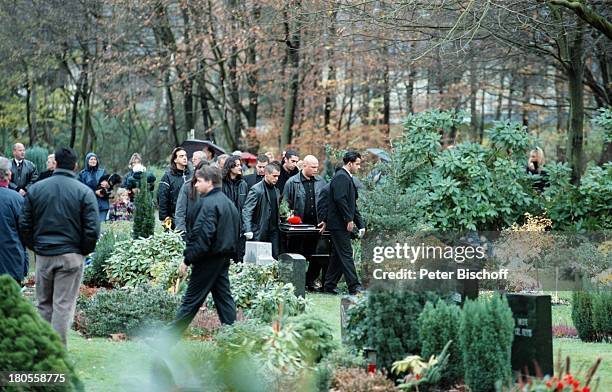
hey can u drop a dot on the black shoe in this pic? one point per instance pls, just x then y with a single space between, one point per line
312 289
357 291
331 291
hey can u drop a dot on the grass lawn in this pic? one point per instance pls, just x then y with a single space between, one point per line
104 365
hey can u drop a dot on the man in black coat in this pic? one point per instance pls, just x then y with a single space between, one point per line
210 246
288 169
60 223
171 183
24 172
260 215
343 219
236 189
260 171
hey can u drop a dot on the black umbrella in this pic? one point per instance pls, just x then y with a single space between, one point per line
193 145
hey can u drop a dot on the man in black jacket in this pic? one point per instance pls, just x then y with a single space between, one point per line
288 169
210 246
236 189
60 223
24 172
342 219
260 171
170 185
260 215
302 193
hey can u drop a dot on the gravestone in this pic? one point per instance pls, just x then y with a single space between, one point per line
254 250
292 269
346 303
532 333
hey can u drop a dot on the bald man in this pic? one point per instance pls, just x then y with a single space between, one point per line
24 171
303 193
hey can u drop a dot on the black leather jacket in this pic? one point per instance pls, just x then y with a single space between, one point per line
168 191
256 212
215 231
23 177
60 216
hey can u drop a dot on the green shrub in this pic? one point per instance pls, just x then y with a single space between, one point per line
27 342
248 278
316 336
437 325
584 207
144 212
274 301
38 155
391 319
582 315
154 260
357 324
126 310
94 274
602 315
592 315
486 334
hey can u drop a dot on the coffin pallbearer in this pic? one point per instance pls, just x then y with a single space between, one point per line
343 219
260 215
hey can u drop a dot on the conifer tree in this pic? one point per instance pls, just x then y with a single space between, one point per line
144 215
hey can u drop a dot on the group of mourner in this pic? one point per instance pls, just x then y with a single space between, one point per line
57 214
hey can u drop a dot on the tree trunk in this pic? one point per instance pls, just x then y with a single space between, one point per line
560 99
575 74
386 120
253 74
482 117
293 55
473 94
330 87
525 115
30 103
500 98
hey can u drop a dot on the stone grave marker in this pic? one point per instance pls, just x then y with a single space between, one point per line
532 333
292 269
255 250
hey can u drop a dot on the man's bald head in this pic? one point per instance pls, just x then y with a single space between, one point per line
18 151
311 166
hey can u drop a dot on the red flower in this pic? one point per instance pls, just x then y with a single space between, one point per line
294 220
586 389
417 377
559 386
549 384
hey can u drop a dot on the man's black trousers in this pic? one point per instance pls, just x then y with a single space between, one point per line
207 276
272 236
341 262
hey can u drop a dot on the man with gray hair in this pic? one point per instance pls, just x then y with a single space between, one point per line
220 161
12 252
24 171
197 157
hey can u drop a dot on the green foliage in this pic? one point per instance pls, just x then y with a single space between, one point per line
94 274
316 336
144 212
276 300
584 207
592 315
604 121
248 278
429 373
486 334
467 187
27 342
438 324
38 155
153 260
126 310
602 315
387 323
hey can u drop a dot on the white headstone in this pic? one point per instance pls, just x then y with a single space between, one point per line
265 260
254 250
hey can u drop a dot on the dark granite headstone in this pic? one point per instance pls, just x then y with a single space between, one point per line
292 269
532 333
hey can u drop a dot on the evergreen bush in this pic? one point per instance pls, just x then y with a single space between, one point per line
582 315
144 213
392 328
602 315
126 310
154 260
274 301
439 323
592 315
94 274
317 338
27 342
486 334
38 155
